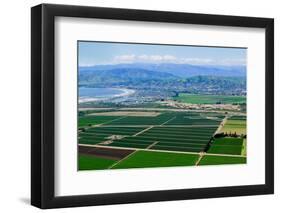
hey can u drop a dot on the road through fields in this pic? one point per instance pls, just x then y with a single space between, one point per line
154 150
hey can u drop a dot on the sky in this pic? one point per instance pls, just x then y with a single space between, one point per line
99 53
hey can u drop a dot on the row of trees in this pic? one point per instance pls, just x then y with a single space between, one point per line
230 134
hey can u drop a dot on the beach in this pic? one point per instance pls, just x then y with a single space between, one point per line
103 94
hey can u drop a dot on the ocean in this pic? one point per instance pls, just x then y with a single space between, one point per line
87 94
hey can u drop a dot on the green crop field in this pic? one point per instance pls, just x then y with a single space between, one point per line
174 131
146 159
236 117
87 162
228 141
186 139
93 120
187 119
170 138
210 99
244 147
225 149
235 125
138 120
115 130
231 146
217 160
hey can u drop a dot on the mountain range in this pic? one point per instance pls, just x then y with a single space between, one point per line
176 70
122 75
166 77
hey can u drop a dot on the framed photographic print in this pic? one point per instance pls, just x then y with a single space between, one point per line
139 106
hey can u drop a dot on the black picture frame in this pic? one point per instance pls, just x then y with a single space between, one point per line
43 114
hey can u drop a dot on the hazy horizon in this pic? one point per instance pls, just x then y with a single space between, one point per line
110 53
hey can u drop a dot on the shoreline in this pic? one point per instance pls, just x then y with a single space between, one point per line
125 92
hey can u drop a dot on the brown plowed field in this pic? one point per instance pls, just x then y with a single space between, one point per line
108 153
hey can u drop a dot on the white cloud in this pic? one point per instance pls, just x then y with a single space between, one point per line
143 57
197 61
124 58
169 58
173 59
156 58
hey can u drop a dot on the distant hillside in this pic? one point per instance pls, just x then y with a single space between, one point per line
180 70
121 75
167 77
215 85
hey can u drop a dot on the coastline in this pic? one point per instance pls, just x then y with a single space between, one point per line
125 92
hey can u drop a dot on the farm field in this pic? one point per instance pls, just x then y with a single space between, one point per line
93 120
231 146
144 159
187 132
151 159
155 139
167 138
236 125
210 99
91 162
244 147
218 160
